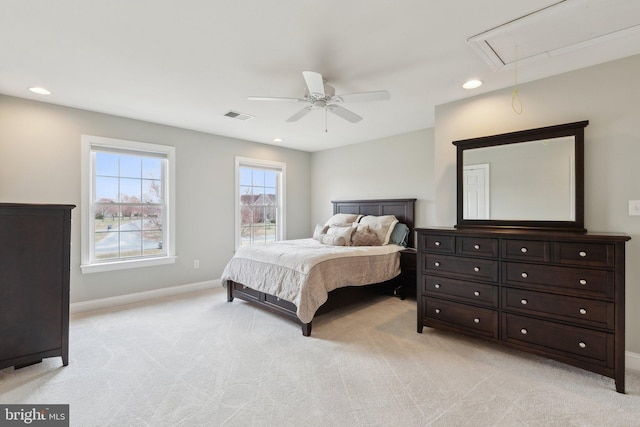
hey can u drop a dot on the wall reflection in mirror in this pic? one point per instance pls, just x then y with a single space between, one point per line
529 180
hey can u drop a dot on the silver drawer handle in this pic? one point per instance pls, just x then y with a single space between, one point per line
476 293
524 250
523 301
523 331
437 286
437 243
476 269
476 246
582 344
582 254
524 274
476 320
437 311
437 264
583 282
583 311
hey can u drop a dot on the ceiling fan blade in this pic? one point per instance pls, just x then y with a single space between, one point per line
297 116
315 83
379 95
271 98
349 116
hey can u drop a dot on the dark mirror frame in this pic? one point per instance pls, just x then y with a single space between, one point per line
569 129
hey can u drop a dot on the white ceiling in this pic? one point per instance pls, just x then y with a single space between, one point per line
186 63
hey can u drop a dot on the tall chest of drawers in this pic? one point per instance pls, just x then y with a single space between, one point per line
35 244
558 295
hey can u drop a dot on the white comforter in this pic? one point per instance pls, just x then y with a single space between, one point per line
304 271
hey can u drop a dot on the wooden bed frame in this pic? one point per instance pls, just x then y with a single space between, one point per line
403 209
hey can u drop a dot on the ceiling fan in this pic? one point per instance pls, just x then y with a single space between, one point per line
320 95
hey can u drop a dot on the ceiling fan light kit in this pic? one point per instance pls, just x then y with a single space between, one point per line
321 96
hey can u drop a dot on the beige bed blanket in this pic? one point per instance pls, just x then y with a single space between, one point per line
304 271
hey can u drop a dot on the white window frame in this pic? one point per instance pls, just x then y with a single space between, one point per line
266 164
89 265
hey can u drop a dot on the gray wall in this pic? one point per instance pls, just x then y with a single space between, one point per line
395 167
607 95
40 163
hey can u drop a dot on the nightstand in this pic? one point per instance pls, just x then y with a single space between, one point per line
408 274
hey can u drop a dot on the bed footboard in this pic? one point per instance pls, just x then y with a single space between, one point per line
268 301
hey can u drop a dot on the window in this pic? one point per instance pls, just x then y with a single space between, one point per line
259 201
127 201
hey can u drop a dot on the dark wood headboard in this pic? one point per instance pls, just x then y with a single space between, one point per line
403 209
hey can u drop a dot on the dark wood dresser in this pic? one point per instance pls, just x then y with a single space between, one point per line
34 283
555 294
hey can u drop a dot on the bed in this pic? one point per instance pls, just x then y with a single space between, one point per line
298 278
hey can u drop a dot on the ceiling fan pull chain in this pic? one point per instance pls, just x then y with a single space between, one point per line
516 102
325 120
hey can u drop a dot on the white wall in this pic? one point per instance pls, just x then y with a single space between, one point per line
608 96
395 167
40 163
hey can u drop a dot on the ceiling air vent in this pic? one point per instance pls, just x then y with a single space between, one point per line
565 26
238 116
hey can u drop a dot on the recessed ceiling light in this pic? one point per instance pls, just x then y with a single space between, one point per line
40 90
277 140
472 84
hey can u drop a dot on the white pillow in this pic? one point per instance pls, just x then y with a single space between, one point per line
344 231
319 231
343 219
333 240
381 225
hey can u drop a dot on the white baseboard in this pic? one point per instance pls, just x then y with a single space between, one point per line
98 304
632 361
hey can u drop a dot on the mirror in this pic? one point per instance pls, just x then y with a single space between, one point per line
527 179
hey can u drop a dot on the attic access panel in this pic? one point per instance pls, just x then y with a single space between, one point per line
559 28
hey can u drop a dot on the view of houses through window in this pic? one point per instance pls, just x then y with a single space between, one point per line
128 205
260 198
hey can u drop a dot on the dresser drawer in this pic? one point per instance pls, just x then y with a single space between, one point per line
435 243
569 341
475 319
590 254
477 246
584 282
527 250
584 311
461 290
478 268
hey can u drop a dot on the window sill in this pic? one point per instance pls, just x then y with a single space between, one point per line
124 265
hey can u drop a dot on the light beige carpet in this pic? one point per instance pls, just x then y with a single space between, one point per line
196 360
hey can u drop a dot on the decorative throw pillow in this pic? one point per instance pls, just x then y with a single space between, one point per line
333 240
319 231
381 225
343 231
363 236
